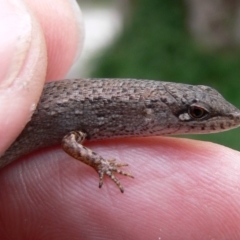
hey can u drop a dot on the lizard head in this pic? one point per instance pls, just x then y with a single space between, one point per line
202 109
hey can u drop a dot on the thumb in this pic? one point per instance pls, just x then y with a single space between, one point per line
22 68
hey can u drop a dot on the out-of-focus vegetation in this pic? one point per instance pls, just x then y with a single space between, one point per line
156 44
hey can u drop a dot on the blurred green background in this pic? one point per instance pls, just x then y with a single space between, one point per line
157 43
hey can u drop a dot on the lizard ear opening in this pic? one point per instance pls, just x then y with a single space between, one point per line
197 112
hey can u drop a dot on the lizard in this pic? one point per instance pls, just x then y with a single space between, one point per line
71 111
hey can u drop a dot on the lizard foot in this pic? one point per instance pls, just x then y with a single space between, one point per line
107 167
72 144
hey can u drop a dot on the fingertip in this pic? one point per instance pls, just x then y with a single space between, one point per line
62 24
24 68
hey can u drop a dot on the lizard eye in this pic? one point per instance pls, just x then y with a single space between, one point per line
197 112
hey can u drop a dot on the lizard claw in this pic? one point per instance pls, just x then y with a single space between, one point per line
107 167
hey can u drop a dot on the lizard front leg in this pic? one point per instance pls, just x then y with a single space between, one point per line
72 144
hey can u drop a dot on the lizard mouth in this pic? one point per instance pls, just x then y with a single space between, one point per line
230 121
235 117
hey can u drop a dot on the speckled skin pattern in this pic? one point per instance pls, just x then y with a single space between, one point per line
113 108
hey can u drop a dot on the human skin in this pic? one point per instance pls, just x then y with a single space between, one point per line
183 189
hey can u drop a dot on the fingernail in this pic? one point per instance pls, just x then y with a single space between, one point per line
15 39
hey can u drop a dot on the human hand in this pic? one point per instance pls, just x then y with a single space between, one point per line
183 189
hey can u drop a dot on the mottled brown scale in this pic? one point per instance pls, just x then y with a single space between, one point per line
113 108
